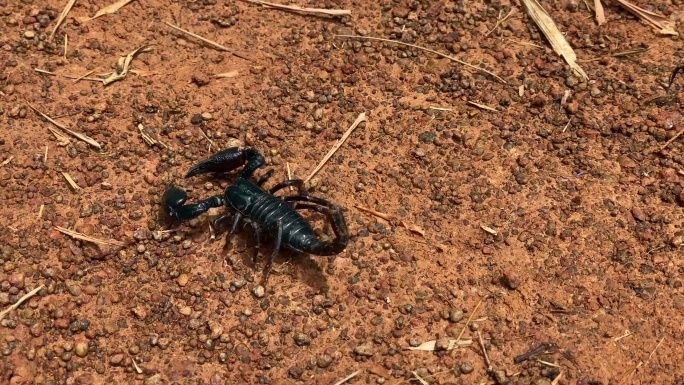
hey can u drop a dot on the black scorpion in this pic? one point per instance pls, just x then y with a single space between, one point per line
276 216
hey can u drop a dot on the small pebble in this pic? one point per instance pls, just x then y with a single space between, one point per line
258 291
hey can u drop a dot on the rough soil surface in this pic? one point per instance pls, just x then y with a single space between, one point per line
561 213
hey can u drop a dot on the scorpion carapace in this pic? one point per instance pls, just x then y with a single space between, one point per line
270 216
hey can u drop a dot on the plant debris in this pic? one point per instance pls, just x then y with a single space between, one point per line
112 8
122 66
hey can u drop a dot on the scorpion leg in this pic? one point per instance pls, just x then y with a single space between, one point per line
233 228
276 248
264 178
257 236
337 222
175 197
230 159
219 223
292 182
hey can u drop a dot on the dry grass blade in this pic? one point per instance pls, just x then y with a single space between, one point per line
661 23
430 345
349 377
391 218
108 10
6 161
226 75
61 18
84 75
499 21
483 106
600 16
42 71
20 301
211 43
488 229
426 50
419 378
329 12
86 238
555 37
62 140
69 179
148 139
527 43
672 139
468 321
84 138
336 146
123 65
557 379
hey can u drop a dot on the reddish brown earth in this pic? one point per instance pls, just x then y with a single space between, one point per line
563 218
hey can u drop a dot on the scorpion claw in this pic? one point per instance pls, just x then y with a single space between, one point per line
174 197
222 161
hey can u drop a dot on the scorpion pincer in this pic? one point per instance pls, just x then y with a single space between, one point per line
275 217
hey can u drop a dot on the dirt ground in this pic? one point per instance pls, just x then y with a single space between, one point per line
550 226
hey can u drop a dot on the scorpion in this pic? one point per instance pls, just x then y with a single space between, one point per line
249 202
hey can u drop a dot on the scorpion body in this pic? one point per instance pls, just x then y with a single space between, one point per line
276 216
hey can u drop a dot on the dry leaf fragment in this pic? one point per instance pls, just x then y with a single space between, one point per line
108 10
661 23
555 37
430 345
229 74
600 16
123 64
61 18
488 229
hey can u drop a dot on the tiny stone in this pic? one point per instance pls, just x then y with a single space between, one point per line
29 34
182 280
207 116
466 367
258 291
81 349
455 315
442 344
365 349
302 339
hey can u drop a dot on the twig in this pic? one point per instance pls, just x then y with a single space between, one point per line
557 379
84 75
6 161
484 351
20 301
499 21
211 43
73 184
329 12
391 219
66 45
672 139
336 146
86 238
419 378
427 50
349 377
226 75
40 210
289 173
468 321
483 106
42 71
61 18
84 138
